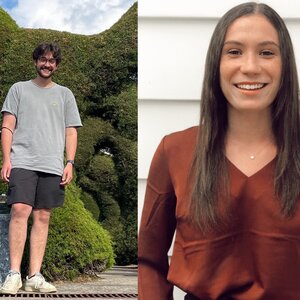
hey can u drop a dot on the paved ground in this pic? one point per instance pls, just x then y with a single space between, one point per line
120 280
116 283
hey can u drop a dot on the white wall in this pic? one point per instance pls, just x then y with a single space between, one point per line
173 40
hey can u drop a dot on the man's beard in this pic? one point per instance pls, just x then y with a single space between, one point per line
40 72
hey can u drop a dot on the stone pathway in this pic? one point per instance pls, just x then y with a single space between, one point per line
116 280
120 281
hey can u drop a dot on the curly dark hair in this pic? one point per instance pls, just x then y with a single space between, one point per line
44 48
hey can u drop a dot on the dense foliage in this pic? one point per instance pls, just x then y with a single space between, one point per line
76 244
101 70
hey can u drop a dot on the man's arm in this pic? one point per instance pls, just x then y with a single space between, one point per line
71 146
8 127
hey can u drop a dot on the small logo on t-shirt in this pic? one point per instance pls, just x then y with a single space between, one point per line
54 104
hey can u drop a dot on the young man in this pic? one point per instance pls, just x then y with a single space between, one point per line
40 119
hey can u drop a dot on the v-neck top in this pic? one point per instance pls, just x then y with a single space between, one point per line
255 255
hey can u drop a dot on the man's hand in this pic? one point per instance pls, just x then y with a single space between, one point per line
5 171
67 175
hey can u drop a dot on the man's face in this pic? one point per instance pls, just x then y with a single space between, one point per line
46 65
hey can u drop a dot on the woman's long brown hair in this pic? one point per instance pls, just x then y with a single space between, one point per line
209 170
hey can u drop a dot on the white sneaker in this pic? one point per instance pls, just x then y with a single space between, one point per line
12 283
37 283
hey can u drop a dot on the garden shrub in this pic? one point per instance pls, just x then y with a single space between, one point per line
91 205
77 242
121 111
102 170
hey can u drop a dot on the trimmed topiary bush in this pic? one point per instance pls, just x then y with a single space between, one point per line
102 171
121 111
91 205
112 181
77 242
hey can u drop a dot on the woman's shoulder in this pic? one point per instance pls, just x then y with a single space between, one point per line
183 140
188 135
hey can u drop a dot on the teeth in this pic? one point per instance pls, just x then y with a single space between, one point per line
250 86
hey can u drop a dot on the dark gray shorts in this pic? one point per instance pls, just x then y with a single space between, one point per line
37 189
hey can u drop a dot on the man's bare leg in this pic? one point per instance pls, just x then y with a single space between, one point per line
20 213
38 239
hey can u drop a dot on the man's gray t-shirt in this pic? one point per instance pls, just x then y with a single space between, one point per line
42 116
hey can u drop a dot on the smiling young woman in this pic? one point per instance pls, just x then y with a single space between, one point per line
250 76
251 64
230 186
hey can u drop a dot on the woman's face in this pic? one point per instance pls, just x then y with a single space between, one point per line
250 66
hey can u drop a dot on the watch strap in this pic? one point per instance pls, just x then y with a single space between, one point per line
71 161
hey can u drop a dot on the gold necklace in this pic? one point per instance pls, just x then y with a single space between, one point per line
253 156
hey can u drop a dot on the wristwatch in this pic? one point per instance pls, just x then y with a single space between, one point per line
71 161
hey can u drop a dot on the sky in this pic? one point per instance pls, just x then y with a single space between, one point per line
75 16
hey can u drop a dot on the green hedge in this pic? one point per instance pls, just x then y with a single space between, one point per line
77 243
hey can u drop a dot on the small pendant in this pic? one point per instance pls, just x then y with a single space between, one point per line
252 157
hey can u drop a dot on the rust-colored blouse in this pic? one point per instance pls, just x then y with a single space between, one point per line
255 256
